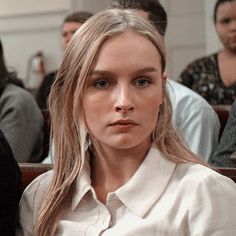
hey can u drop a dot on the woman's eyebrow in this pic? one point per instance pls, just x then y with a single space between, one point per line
101 72
138 71
146 70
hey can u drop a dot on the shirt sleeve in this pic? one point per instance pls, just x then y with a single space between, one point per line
26 215
212 210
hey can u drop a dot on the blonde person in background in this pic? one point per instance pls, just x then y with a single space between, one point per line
120 167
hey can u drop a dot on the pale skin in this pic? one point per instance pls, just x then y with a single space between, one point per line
121 104
226 30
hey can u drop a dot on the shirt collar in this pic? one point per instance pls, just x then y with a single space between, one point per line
147 184
83 185
141 191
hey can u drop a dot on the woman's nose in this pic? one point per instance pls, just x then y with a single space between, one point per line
124 102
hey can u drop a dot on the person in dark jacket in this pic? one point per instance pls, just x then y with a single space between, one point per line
10 188
70 24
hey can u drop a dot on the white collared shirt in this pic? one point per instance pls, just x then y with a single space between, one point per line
162 198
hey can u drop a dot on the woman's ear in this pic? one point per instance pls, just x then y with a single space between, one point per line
164 77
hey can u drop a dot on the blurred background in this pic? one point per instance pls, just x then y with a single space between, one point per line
30 32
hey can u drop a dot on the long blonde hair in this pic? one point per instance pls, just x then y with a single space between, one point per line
69 131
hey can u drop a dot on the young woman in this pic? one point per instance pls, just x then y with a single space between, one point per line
120 167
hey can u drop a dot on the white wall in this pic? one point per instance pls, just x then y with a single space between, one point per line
23 36
91 5
185 38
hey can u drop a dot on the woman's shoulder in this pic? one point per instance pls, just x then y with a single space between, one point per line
208 196
194 170
199 175
36 190
203 189
31 201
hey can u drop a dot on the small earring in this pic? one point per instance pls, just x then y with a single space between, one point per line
164 76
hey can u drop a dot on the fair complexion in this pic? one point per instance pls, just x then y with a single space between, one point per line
68 30
226 30
121 106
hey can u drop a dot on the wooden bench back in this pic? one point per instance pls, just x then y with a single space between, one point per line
29 171
229 172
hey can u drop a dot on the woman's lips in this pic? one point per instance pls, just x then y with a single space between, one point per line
123 125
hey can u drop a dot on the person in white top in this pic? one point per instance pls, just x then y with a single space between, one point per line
120 167
192 115
195 119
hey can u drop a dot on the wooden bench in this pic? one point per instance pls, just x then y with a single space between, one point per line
29 171
229 172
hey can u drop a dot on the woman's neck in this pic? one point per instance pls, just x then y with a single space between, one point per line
112 168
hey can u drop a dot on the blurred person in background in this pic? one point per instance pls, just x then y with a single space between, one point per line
20 118
214 76
10 187
70 24
120 167
225 153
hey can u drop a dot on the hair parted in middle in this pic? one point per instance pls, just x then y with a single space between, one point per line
69 132
156 12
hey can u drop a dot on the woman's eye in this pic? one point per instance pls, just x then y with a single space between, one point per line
225 21
102 84
142 82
